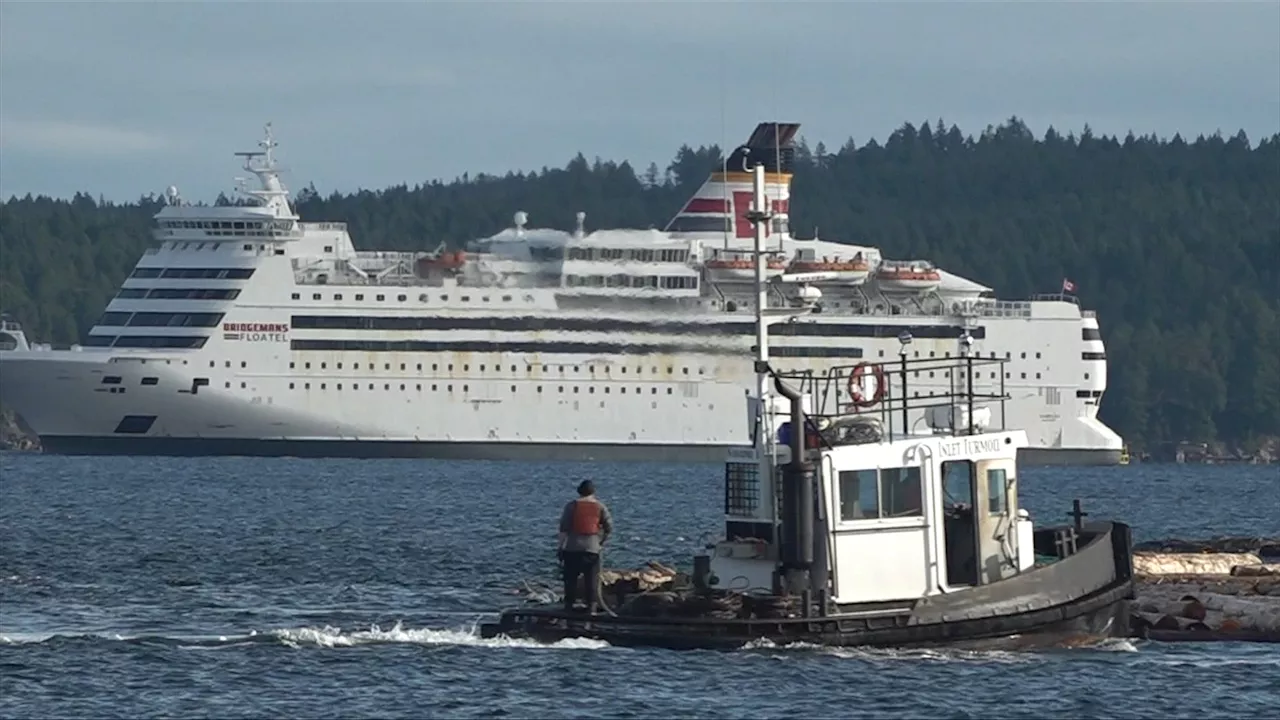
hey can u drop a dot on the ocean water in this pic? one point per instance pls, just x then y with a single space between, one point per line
241 587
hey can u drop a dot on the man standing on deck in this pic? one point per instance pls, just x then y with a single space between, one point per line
585 525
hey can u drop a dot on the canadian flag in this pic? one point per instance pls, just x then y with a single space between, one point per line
1068 286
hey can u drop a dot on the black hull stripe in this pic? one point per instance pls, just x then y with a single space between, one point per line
539 324
515 451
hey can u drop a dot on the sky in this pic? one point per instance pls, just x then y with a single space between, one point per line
122 99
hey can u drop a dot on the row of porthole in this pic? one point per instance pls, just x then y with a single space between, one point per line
435 367
991 356
435 387
978 375
575 389
1007 356
467 388
423 297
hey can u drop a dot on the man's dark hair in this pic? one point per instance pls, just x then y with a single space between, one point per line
586 488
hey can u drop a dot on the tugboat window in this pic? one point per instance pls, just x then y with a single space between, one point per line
858 495
900 492
997 498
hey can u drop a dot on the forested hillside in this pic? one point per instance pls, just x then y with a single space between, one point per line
1175 243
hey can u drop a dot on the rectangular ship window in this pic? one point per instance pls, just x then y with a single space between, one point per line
135 424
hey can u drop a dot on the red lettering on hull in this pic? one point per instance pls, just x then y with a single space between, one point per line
256 327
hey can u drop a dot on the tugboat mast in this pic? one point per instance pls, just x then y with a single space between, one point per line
759 215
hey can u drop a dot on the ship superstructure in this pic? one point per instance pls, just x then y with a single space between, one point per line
247 331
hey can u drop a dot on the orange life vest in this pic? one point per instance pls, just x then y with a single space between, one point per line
586 517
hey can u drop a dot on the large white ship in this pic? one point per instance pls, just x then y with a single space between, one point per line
245 331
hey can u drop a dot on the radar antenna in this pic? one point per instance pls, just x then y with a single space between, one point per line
272 192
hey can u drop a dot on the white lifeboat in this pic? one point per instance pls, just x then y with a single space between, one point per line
847 272
742 268
914 277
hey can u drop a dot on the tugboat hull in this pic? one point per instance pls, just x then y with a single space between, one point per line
1099 617
1072 600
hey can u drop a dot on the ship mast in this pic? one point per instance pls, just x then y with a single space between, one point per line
272 192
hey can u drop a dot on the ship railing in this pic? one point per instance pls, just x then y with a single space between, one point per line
323 226
1058 296
1002 308
898 408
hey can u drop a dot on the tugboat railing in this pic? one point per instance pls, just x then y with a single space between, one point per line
887 400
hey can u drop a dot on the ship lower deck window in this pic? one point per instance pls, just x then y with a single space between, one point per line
160 319
114 319
150 380
111 380
161 341
205 273
195 294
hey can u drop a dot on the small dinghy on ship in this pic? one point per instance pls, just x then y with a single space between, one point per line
860 530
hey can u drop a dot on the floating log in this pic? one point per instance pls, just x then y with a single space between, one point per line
1264 570
1262 546
1159 563
1170 611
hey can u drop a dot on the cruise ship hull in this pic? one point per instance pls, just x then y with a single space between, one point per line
66 399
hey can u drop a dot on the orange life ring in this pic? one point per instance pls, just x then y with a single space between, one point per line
855 384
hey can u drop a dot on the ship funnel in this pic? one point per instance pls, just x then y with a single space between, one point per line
719 208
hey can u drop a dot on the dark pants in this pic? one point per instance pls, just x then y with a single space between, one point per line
587 566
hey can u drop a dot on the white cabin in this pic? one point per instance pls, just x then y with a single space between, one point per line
899 516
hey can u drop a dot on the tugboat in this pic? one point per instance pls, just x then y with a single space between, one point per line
846 526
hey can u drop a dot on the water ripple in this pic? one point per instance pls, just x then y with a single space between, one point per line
238 587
